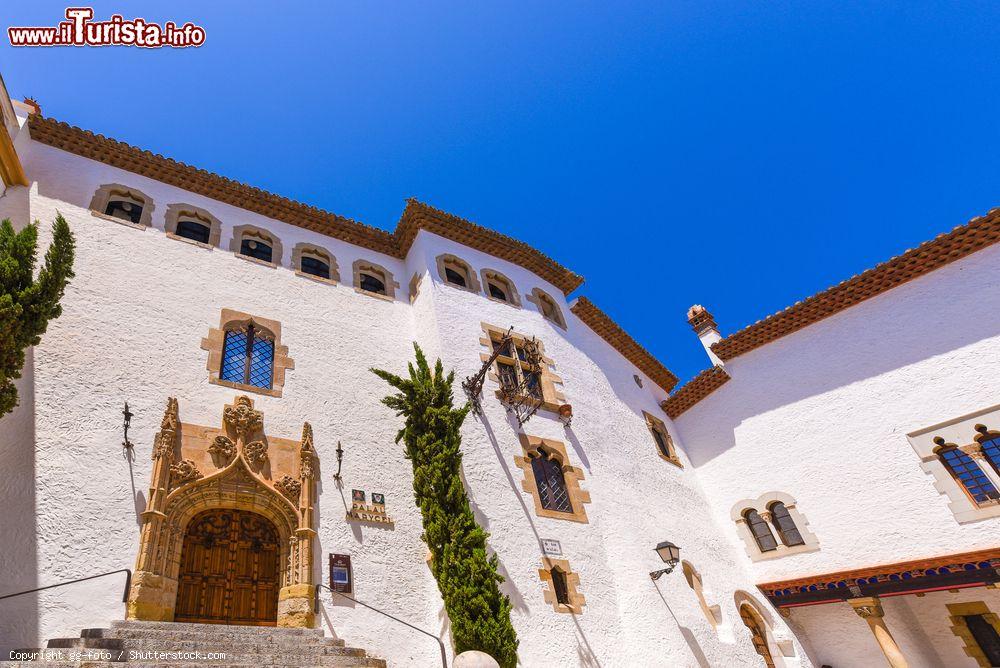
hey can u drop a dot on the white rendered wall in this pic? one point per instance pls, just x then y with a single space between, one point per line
131 330
822 414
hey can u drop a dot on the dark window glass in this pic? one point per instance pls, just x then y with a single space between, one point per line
371 284
986 637
256 249
508 375
194 231
789 533
454 277
967 472
247 357
661 443
551 483
124 210
991 448
533 382
496 292
761 531
316 267
559 584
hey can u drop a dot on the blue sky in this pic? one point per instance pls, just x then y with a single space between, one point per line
740 155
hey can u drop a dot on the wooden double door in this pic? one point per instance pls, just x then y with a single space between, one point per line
229 570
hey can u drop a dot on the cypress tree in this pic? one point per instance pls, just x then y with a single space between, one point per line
27 303
467 578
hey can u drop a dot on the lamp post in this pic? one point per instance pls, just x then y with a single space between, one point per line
670 554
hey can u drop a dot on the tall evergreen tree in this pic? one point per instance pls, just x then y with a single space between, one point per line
27 303
466 576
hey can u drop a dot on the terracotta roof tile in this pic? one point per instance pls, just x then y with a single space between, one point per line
416 216
609 330
694 390
977 234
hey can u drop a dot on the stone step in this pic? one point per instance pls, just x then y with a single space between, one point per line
213 634
263 649
212 628
245 662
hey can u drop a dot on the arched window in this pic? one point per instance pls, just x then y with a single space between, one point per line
124 207
760 530
550 481
315 266
257 248
500 288
193 229
785 525
373 279
124 203
989 441
967 472
372 283
248 356
456 271
456 277
758 632
560 586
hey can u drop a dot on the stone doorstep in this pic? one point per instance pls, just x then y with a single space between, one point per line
248 662
231 648
194 637
214 628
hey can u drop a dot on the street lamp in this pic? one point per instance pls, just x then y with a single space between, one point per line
670 554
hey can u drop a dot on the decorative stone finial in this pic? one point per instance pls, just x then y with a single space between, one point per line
700 319
33 103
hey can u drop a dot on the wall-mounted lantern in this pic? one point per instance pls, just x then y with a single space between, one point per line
670 555
340 459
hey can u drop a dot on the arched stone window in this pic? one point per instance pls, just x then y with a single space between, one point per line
457 272
785 525
245 353
190 223
989 443
374 280
547 306
758 633
256 244
968 474
758 520
694 581
563 586
499 288
123 204
315 262
552 482
760 531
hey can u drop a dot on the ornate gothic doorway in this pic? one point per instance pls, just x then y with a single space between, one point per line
229 569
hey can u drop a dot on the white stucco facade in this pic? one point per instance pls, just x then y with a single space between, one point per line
827 419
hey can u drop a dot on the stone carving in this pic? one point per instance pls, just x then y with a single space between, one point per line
164 445
223 450
256 454
307 451
242 417
866 611
290 488
182 472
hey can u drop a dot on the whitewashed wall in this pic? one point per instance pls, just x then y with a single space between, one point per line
823 414
132 324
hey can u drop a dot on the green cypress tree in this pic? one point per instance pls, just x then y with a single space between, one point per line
27 303
466 576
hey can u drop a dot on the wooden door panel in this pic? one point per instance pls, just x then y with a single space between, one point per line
229 569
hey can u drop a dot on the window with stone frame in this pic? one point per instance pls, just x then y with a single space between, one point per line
457 272
989 445
256 244
499 288
760 530
785 525
193 224
979 629
314 262
513 370
245 353
562 590
122 204
547 306
374 280
552 482
969 475
662 439
712 613
193 229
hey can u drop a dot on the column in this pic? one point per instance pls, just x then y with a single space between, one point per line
870 609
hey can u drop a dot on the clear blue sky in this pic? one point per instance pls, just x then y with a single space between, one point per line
742 155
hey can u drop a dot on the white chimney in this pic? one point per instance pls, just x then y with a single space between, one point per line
704 326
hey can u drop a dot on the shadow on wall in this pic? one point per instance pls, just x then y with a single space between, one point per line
18 548
928 318
692 642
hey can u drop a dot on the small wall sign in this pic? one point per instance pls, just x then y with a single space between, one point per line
375 513
358 495
378 499
340 573
551 547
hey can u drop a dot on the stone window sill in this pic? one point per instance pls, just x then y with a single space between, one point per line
377 295
314 277
783 551
199 244
545 404
502 301
246 388
272 265
120 221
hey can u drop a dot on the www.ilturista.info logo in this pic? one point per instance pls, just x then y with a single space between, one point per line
80 30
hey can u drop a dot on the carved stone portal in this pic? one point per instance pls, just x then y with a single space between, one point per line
235 466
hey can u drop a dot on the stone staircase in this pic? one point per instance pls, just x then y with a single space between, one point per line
148 644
